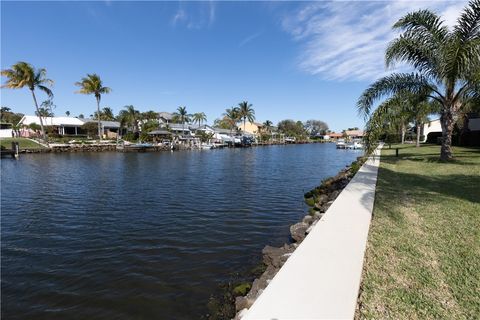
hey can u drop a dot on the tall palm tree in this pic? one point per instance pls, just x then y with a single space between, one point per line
246 111
199 117
23 74
446 63
183 114
92 84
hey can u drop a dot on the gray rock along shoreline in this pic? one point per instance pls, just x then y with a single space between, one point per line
319 200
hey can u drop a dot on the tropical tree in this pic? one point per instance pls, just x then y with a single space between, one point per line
7 116
396 113
183 116
149 115
67 113
222 123
232 117
199 118
46 108
245 111
43 112
268 125
446 63
23 74
129 117
92 84
107 114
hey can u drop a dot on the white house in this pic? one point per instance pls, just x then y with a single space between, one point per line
435 126
68 125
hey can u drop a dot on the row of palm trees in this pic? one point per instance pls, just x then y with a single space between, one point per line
23 74
446 77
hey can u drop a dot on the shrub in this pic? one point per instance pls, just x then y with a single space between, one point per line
242 289
310 201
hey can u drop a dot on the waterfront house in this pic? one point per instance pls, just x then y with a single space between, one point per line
354 134
252 128
6 130
223 135
334 136
179 129
432 130
160 135
195 128
165 118
61 125
67 126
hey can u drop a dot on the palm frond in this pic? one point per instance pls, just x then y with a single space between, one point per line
468 24
415 51
424 23
390 85
46 90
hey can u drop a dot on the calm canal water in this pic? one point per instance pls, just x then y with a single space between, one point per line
149 235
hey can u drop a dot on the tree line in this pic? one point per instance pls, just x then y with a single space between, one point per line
24 75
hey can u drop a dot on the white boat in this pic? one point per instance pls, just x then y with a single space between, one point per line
356 144
341 144
207 146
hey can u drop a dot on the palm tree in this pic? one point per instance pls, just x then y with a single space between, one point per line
199 117
268 128
107 114
396 113
67 113
183 114
268 125
23 74
92 84
246 112
232 116
446 63
129 116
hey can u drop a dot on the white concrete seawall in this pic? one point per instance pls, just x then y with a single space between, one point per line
322 277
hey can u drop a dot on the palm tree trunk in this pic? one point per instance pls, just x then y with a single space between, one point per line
98 119
403 133
244 119
447 131
418 135
40 117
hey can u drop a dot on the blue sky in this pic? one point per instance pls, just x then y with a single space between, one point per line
291 60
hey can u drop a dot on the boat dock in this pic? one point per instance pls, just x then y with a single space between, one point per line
13 152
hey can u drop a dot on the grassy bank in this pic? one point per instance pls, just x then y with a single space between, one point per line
23 143
423 252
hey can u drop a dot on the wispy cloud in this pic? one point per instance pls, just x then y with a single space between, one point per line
347 40
196 15
180 16
248 39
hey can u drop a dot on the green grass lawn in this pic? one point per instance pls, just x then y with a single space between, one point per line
23 143
423 251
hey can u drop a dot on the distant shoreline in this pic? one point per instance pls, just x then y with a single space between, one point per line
109 147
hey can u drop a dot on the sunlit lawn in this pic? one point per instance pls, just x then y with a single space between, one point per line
23 143
423 252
